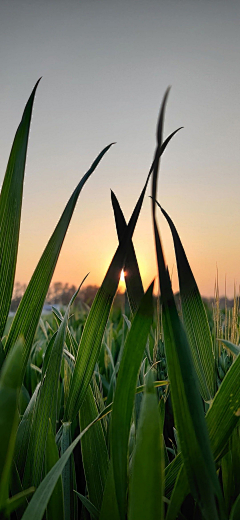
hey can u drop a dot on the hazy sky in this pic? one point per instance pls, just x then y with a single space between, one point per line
105 67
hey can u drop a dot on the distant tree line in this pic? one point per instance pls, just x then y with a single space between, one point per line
61 294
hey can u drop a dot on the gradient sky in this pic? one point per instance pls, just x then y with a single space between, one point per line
105 67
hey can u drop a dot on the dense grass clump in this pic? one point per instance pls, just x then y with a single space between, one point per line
109 414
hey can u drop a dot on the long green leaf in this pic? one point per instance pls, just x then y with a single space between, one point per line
29 311
125 394
195 319
147 477
187 405
10 210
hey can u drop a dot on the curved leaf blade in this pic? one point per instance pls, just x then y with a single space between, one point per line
187 405
10 210
195 319
29 311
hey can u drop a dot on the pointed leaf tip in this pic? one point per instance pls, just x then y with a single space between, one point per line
161 117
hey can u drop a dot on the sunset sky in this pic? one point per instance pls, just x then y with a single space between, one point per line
105 66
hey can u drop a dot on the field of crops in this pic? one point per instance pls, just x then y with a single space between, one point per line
107 414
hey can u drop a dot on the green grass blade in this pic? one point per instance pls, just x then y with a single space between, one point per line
94 451
125 394
10 210
55 508
10 384
29 311
187 405
195 319
133 279
147 477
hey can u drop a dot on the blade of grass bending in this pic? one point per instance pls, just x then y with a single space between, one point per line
46 406
147 477
195 319
29 311
132 275
125 395
10 384
187 405
10 210
94 451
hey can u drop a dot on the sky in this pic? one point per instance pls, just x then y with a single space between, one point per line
105 66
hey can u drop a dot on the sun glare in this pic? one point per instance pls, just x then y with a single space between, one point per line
122 286
122 279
